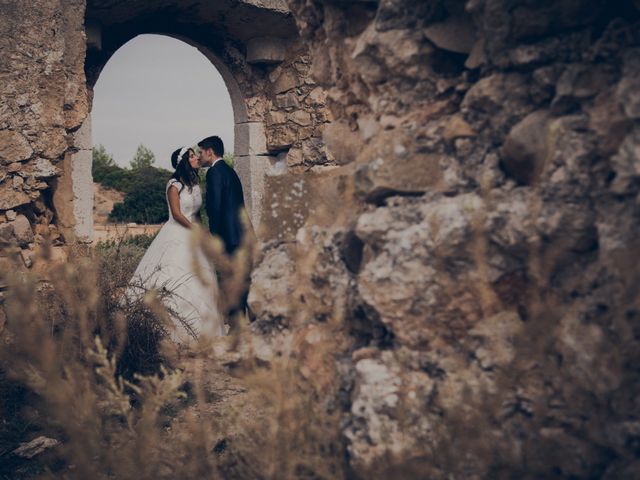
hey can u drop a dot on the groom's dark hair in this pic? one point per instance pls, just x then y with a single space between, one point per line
214 143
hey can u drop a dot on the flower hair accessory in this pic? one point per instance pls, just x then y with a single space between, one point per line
183 150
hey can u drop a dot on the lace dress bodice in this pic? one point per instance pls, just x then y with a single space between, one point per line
190 201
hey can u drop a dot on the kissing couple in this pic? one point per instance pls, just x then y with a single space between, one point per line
174 264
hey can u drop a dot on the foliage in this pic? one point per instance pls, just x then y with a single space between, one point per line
141 241
104 169
101 158
143 158
145 200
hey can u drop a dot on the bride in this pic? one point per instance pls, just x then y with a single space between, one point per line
172 263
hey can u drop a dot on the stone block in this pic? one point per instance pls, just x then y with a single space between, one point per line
43 168
368 126
287 100
27 257
457 127
525 148
10 197
82 137
6 233
294 157
267 50
280 137
393 165
626 164
278 166
317 197
250 139
82 181
607 118
300 117
276 117
22 230
3 319
273 283
13 147
342 143
46 260
252 169
456 34
317 96
286 81
314 151
476 56
579 82
412 174
628 90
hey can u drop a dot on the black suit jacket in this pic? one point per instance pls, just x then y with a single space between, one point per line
224 201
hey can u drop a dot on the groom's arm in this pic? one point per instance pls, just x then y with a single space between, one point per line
214 201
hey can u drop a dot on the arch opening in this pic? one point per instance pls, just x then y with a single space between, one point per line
278 112
74 197
155 94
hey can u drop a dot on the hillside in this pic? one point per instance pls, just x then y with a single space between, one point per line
104 198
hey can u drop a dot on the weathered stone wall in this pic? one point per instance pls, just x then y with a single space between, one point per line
469 215
483 257
43 101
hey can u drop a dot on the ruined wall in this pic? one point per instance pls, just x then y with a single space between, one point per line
43 101
469 215
485 267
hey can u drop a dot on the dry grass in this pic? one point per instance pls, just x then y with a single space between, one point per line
98 374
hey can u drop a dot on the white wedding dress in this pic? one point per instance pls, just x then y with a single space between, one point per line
170 264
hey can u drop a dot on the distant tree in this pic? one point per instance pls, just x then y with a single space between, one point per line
145 200
102 165
101 158
228 158
143 158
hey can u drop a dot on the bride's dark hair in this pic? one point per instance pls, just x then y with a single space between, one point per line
185 173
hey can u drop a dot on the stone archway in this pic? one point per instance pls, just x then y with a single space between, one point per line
45 156
245 58
80 161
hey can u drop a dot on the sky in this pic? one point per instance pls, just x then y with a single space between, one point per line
160 92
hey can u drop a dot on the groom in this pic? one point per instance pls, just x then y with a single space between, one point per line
224 202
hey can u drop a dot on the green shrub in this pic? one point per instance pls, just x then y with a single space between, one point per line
145 200
137 243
